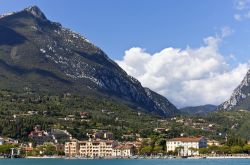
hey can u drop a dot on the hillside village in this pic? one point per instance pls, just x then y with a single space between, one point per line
163 142
63 126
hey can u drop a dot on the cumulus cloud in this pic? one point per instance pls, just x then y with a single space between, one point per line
191 76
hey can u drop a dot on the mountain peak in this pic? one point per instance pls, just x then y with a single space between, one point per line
36 12
240 97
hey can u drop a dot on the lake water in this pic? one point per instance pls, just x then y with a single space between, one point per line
125 162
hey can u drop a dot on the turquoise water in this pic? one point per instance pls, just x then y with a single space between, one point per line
124 162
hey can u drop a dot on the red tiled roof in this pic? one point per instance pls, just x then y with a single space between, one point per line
187 139
28 149
124 147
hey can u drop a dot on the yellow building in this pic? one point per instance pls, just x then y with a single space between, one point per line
96 148
71 148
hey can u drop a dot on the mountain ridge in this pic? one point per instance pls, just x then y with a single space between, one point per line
41 53
199 110
240 98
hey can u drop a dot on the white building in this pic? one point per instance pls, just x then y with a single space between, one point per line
1 141
186 146
123 151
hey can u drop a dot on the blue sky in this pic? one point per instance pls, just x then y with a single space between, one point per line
115 26
210 41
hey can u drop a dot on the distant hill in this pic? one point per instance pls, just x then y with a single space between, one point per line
199 110
240 98
41 55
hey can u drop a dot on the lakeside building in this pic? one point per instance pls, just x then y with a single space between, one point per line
96 148
71 148
123 151
91 148
186 146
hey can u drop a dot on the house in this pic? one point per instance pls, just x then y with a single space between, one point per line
136 144
186 146
60 135
103 135
123 151
32 112
1 141
10 141
40 136
160 130
84 115
129 137
71 148
213 143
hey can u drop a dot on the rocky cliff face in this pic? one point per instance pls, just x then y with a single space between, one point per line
42 55
240 99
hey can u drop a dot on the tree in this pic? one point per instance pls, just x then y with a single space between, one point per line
47 149
158 149
235 141
246 149
203 150
213 149
192 149
224 149
147 150
6 148
179 150
236 149
172 153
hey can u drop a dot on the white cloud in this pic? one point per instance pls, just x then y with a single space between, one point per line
237 17
192 76
242 7
226 31
242 4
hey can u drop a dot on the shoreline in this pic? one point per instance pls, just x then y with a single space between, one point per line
137 158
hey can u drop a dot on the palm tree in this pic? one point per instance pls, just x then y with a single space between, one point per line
192 149
179 150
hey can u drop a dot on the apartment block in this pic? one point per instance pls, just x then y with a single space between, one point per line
71 148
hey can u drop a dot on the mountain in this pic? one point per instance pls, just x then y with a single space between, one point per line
240 99
199 110
38 54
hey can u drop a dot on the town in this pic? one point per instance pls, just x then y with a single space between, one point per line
101 144
69 126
